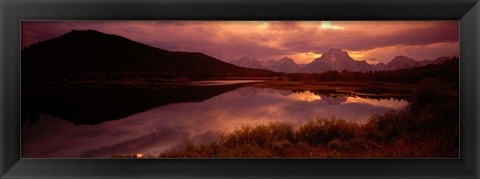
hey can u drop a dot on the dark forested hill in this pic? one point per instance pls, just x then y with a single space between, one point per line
93 51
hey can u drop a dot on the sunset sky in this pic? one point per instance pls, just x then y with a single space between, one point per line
374 41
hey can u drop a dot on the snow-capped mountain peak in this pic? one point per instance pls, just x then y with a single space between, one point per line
248 62
285 64
334 59
337 60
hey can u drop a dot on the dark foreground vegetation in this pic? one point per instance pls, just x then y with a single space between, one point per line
427 128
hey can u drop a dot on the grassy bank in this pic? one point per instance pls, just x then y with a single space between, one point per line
427 128
346 87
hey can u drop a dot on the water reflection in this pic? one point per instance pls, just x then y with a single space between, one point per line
221 82
172 124
87 104
304 96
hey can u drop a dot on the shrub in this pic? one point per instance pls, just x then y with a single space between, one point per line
263 135
321 131
428 91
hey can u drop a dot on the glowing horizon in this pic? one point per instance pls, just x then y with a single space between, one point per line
302 41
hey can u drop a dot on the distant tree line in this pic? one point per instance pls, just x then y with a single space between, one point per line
447 72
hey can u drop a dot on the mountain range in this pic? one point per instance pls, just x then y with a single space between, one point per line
96 52
286 65
334 59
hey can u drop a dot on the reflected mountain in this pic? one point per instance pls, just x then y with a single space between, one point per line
333 100
248 91
285 92
94 105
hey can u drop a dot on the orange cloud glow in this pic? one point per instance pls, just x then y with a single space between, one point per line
374 41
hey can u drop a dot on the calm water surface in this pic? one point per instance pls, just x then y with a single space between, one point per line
172 124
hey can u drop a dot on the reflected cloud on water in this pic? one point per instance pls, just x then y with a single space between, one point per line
173 124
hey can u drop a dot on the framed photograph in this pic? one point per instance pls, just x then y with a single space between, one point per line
108 89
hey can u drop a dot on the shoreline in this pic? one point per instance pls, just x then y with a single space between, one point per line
355 88
344 87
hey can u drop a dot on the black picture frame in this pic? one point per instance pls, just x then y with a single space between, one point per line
13 11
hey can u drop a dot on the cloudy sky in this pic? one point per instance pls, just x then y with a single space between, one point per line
374 41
